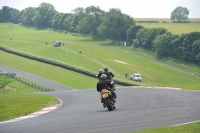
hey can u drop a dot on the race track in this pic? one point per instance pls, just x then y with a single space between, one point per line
81 111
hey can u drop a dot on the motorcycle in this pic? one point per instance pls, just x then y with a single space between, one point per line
107 99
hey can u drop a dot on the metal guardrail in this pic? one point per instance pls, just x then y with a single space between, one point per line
13 75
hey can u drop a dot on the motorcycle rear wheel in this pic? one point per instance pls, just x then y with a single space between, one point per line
108 104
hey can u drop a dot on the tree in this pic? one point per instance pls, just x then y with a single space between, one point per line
96 14
61 20
10 14
91 20
71 22
136 43
179 14
14 15
152 34
102 31
27 16
96 11
179 49
146 36
80 12
44 15
189 45
142 35
131 33
161 42
6 13
196 52
56 19
173 45
1 15
115 25
87 25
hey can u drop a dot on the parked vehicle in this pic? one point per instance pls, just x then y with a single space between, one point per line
136 77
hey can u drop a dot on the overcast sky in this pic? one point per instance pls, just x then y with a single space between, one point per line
134 8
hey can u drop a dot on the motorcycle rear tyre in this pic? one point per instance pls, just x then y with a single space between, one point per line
108 104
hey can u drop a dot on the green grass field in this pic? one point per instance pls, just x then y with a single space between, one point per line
95 55
189 128
17 99
175 28
164 19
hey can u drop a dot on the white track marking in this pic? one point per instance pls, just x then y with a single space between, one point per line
35 114
185 123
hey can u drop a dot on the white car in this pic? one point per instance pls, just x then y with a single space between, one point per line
136 77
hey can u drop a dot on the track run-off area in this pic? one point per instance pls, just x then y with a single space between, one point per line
80 111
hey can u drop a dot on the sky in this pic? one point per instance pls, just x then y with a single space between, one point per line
134 8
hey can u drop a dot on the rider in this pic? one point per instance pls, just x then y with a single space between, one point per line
105 84
100 73
109 75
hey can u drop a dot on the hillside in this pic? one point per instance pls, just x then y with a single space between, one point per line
95 54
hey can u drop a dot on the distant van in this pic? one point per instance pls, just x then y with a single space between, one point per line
57 44
136 77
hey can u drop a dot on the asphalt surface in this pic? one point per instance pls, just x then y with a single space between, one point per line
81 111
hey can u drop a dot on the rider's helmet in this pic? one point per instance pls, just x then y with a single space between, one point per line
103 76
100 70
106 69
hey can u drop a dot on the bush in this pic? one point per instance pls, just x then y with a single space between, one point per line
181 22
136 43
148 21
164 22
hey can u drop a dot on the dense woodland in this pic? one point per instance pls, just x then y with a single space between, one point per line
110 25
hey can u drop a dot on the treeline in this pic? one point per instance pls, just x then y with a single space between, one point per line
185 47
91 20
111 25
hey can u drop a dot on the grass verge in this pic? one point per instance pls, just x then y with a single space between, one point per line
189 128
17 99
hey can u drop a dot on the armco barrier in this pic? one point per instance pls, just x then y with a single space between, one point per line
60 65
12 75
